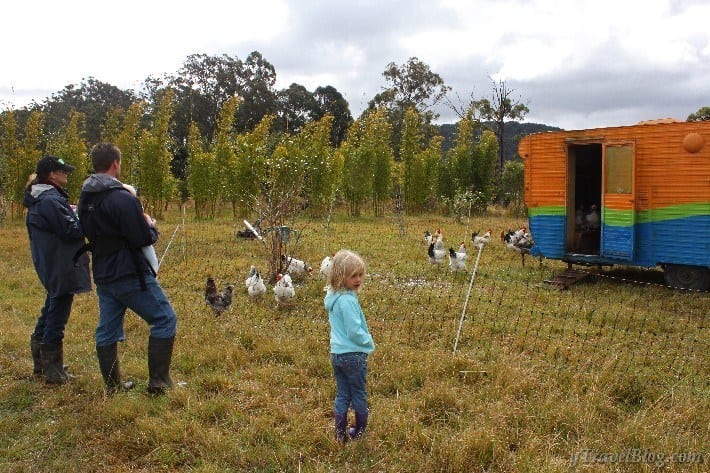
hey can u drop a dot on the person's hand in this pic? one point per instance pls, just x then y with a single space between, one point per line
150 220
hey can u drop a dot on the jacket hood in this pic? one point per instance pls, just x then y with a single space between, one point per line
33 194
332 296
100 183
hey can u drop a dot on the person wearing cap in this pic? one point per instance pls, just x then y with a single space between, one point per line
117 229
55 238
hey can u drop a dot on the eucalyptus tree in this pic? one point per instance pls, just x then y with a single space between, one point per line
331 102
702 115
256 87
496 110
296 107
411 85
93 98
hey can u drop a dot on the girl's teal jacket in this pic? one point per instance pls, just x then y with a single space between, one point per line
348 328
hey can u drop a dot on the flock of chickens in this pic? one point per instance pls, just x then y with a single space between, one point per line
284 290
519 241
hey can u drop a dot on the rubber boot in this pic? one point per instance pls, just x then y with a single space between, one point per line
160 352
35 343
360 425
110 370
52 357
62 366
341 426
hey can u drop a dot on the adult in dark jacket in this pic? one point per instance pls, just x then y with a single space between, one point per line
117 229
55 237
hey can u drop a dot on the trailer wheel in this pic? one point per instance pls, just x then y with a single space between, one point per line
687 277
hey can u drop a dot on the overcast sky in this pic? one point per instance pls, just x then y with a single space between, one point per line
574 63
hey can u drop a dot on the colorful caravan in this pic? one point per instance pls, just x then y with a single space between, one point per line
633 195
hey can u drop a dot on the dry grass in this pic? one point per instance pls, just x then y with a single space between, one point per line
539 375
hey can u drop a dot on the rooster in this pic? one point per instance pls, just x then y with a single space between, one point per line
254 283
295 267
283 289
436 255
457 259
519 240
482 240
218 301
325 266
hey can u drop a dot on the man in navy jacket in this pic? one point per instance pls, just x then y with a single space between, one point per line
117 229
55 237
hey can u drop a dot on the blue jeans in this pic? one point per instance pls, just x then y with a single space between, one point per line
151 305
350 372
53 318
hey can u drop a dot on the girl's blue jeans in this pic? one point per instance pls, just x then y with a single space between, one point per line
151 305
350 372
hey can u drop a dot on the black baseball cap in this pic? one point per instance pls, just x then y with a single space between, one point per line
50 163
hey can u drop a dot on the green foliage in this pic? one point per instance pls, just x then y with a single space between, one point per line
252 150
70 145
469 169
702 115
156 181
202 175
223 150
127 137
9 154
324 169
512 184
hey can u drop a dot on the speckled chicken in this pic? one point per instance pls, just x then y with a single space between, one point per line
218 301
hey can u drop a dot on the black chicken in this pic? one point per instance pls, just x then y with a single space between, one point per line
218 301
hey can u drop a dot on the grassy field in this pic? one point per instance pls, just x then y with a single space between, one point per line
611 375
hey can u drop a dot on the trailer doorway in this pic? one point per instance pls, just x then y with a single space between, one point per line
584 196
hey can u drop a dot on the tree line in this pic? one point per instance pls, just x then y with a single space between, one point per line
219 132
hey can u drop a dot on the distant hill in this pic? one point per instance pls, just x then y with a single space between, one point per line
514 132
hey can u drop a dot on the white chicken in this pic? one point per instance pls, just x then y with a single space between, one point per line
591 220
325 266
255 283
436 255
284 292
457 259
295 267
479 241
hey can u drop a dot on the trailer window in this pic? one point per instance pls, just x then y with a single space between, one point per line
619 169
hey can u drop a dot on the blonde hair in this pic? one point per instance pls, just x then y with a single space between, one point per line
344 264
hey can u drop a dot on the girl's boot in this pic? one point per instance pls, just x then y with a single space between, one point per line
360 425
341 426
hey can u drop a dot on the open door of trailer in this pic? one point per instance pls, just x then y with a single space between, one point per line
618 203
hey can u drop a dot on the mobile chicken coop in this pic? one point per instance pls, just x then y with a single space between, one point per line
633 195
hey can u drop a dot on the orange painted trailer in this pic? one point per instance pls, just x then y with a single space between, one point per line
634 195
